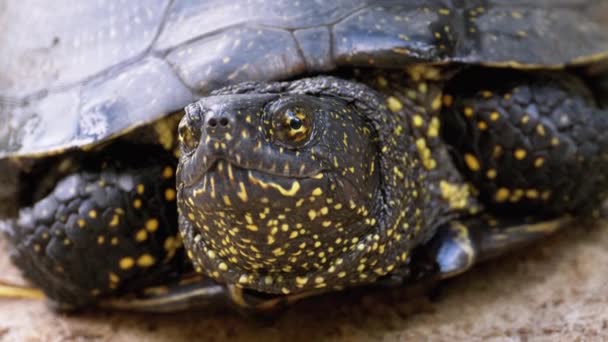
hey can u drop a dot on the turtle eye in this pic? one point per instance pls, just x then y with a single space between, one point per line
189 131
292 126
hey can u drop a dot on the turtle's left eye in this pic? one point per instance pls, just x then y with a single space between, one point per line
292 126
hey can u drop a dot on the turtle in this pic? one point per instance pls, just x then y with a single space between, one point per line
178 154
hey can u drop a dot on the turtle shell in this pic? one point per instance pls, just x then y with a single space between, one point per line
75 74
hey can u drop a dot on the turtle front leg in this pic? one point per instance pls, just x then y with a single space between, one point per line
458 245
106 229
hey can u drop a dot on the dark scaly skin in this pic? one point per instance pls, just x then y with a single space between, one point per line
265 244
108 226
531 144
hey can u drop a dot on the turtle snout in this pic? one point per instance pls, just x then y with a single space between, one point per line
219 125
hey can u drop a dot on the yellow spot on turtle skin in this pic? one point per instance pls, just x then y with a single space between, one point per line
137 203
394 105
81 223
472 162
37 248
252 227
268 280
457 195
101 239
226 200
242 193
520 154
447 100
295 186
539 162
425 154
436 104
532 193
497 151
126 263
93 213
502 195
516 195
115 220
398 172
152 225
301 281
113 277
491 173
167 172
223 267
486 94
417 120
482 125
145 260
468 112
540 130
444 11
317 192
171 244
141 235
140 189
494 116
170 194
433 130
114 241
382 81
554 142
312 214
243 279
422 88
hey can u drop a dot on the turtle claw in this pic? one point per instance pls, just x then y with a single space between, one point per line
457 246
174 298
8 290
265 303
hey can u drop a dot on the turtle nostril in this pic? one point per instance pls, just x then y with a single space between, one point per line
212 122
224 122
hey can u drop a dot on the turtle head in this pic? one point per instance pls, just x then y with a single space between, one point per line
279 188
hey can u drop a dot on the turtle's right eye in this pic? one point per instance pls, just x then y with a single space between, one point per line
189 129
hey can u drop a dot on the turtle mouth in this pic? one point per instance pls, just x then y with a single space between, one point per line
259 173
224 178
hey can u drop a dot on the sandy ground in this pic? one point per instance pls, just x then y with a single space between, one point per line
554 290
